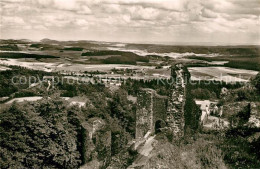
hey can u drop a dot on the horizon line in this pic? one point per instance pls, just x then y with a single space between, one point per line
168 43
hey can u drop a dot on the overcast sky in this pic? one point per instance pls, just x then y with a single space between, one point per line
214 21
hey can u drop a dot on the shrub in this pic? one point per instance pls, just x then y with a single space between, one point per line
256 82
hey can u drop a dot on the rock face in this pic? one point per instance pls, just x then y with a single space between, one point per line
166 113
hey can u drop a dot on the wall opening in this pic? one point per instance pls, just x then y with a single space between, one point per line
159 124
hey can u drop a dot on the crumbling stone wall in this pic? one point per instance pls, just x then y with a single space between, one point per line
175 110
144 113
160 107
150 108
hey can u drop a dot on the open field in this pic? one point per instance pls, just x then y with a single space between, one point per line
143 60
36 65
3 68
221 73
68 68
72 100
22 99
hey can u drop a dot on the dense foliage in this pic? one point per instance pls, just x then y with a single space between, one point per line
208 89
73 49
117 57
103 53
49 133
9 47
38 134
247 61
192 112
45 46
161 86
122 109
7 77
24 55
256 82
239 146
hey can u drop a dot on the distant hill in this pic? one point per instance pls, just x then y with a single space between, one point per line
46 40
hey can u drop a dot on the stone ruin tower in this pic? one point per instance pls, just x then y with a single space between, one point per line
176 101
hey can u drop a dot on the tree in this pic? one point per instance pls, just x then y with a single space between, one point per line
256 82
38 135
122 109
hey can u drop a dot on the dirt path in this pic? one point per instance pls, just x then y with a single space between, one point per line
144 153
148 146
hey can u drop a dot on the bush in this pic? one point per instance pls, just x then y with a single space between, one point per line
192 112
256 82
203 94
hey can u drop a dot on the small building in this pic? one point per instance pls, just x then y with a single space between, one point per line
206 107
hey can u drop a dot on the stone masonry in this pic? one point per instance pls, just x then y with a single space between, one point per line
170 109
175 110
151 107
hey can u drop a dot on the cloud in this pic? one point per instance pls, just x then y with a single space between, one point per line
163 19
139 12
69 5
12 21
208 13
84 10
233 7
177 5
81 22
39 27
